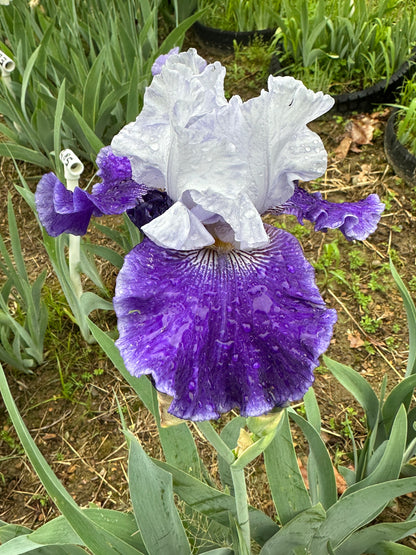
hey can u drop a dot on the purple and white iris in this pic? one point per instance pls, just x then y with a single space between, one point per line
219 308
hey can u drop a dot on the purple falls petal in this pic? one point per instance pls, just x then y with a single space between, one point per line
118 191
220 328
63 211
356 220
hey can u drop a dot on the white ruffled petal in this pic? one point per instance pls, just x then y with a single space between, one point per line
239 213
280 149
184 91
178 228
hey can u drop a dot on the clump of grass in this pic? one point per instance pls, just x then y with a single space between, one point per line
340 46
240 15
248 68
406 117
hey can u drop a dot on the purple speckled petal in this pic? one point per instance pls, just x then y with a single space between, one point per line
60 210
161 60
221 328
117 192
64 211
356 220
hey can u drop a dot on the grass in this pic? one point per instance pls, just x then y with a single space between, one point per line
240 15
340 47
406 116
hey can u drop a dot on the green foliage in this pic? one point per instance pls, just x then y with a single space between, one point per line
338 46
249 69
23 313
240 15
406 116
81 71
312 521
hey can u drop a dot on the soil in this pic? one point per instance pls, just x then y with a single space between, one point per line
72 413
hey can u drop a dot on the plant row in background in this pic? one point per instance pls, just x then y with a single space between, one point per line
336 46
81 70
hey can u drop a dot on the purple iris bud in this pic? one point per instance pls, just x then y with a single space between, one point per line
161 60
356 220
153 204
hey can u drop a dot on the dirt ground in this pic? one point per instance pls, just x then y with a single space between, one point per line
72 413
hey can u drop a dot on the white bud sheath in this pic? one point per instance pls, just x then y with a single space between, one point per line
7 65
73 168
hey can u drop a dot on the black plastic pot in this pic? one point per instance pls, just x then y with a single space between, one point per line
224 40
402 161
365 100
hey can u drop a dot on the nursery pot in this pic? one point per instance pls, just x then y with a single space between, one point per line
402 160
224 40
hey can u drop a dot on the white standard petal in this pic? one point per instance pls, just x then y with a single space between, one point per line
239 213
178 228
278 146
184 91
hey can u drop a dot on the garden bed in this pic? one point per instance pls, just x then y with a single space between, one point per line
74 416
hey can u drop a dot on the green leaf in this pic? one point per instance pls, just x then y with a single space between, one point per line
229 434
177 441
399 395
175 38
298 532
411 319
141 386
286 483
215 504
220 551
90 301
15 241
363 540
132 108
60 531
179 448
10 531
313 413
94 142
25 154
91 92
29 67
151 493
23 544
326 486
389 548
106 253
60 104
356 510
388 468
94 536
357 386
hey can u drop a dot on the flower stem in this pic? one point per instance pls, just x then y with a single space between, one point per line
239 483
216 441
74 259
240 494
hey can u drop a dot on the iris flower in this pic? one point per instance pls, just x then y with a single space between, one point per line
221 309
